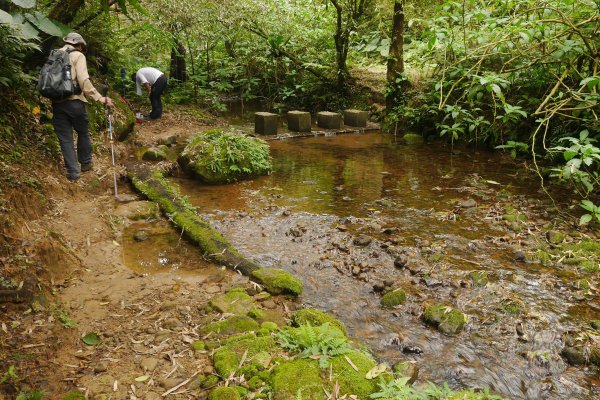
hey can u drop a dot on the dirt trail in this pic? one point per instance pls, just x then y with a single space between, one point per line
146 322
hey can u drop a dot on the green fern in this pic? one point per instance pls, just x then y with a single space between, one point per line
322 342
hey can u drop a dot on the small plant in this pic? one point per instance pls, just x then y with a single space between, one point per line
65 319
514 147
10 376
320 342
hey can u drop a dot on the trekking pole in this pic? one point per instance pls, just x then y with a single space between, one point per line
112 146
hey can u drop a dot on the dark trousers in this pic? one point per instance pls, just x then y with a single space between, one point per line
69 115
155 92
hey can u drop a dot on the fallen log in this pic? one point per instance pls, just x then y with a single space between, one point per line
152 183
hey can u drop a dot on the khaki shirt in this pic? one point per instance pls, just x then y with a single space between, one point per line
79 74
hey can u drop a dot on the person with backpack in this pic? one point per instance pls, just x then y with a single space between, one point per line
155 83
65 80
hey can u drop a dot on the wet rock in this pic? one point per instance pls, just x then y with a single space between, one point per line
519 256
141 236
393 298
430 281
346 198
297 231
409 349
413 139
286 213
278 281
408 369
168 141
100 367
154 154
479 278
446 319
378 287
362 240
469 203
401 261
149 364
595 324
574 356
269 304
212 289
391 230
555 237
235 301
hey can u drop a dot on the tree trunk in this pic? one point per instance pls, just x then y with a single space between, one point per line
341 39
64 11
177 67
395 64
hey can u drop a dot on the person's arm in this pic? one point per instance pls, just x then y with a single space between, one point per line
148 87
83 79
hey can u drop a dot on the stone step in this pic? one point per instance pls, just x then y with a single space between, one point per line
356 118
299 121
265 123
329 120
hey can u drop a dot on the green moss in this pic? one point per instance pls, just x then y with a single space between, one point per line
479 278
393 298
435 258
297 379
352 381
316 318
555 237
198 345
233 325
517 217
73 395
512 307
447 319
413 138
227 359
219 157
235 301
596 324
582 284
278 281
590 266
269 326
255 383
154 154
224 393
209 381
256 314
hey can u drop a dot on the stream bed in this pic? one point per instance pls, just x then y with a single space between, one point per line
439 210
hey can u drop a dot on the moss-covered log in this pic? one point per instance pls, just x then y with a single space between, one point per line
154 185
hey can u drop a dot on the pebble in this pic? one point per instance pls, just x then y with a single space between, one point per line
169 383
100 367
141 236
269 304
149 364
409 349
362 240
401 261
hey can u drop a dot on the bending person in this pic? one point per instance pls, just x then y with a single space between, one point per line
155 83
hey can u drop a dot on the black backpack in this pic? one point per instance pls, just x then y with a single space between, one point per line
55 80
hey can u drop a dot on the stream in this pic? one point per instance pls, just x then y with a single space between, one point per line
440 209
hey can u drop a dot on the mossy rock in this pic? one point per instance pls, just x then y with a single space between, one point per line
209 381
234 325
269 326
479 278
198 345
224 393
218 157
413 138
352 381
516 217
393 298
278 281
555 237
154 154
595 324
227 359
235 301
123 119
446 319
316 318
297 379
145 210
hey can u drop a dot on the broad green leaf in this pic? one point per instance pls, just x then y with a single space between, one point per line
27 30
585 219
568 155
5 18
91 339
24 3
587 205
44 24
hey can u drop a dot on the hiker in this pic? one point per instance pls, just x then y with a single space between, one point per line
155 83
70 113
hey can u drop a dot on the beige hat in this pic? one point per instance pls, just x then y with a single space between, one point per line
74 38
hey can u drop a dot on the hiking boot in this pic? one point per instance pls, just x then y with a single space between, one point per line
73 178
86 167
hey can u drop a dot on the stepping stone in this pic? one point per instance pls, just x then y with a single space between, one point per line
329 120
299 121
356 118
265 123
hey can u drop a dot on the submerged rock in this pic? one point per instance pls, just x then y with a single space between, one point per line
413 138
393 298
446 319
479 278
154 154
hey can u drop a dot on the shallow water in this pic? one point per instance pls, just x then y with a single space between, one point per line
325 191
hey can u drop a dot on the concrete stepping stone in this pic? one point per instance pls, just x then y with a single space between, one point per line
265 123
299 121
329 120
356 118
